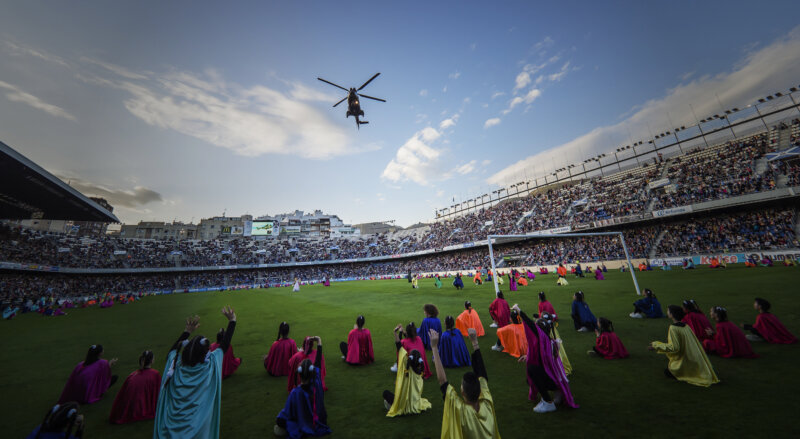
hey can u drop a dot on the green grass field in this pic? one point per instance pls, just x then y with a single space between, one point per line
618 398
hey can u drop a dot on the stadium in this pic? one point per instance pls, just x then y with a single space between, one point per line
704 213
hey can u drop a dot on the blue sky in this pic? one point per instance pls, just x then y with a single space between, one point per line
183 110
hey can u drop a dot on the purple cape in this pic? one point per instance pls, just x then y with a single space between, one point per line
87 384
540 347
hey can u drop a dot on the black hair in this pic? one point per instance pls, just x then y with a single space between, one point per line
542 297
676 312
722 313
93 354
691 306
220 335
605 325
308 343
360 321
146 359
411 331
545 322
472 387
449 322
195 351
763 303
60 418
579 296
467 305
415 362
305 370
500 295
514 316
649 293
431 309
283 330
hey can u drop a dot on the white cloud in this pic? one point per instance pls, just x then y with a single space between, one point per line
416 160
528 99
16 94
486 162
250 121
558 76
18 49
449 122
423 92
497 94
454 75
440 193
523 79
757 74
119 70
543 44
130 198
491 122
444 90
466 168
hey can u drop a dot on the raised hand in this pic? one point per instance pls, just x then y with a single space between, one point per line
192 323
112 361
228 312
473 337
522 358
434 338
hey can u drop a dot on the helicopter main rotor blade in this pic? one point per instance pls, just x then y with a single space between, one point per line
370 80
340 101
335 85
370 97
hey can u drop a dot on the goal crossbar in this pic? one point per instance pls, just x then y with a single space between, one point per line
491 238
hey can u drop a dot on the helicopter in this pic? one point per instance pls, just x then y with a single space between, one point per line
353 104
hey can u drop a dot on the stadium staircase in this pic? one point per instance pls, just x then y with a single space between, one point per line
656 242
524 217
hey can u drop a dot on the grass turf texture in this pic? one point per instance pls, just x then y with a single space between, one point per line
618 398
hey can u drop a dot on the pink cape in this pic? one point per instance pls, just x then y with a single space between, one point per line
729 342
610 346
294 363
540 347
137 399
699 323
546 306
500 312
87 384
229 362
359 347
773 330
277 361
409 346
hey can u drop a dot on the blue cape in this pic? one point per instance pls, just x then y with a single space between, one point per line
584 314
452 349
299 412
422 331
650 307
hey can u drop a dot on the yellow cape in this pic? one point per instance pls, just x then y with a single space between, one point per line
460 420
563 354
687 359
408 398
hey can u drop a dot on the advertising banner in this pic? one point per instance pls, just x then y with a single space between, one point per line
247 229
658 183
672 211
553 231
263 228
291 230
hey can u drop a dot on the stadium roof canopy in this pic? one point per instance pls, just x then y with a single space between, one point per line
29 192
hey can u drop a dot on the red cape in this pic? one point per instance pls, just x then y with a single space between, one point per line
699 323
773 330
500 312
409 346
229 362
277 361
610 346
546 306
729 342
294 363
137 399
359 347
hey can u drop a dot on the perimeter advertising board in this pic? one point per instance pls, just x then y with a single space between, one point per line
263 228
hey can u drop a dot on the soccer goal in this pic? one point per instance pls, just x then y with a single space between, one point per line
505 239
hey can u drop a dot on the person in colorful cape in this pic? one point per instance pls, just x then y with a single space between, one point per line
726 340
696 319
499 311
137 399
309 353
545 305
358 348
582 316
90 379
304 414
469 319
229 362
276 362
453 351
469 412
687 359
431 321
511 338
648 306
59 422
411 342
767 327
190 399
608 344
458 282
407 397
438 282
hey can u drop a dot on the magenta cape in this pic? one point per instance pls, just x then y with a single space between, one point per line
598 275
610 346
294 363
409 346
137 399
547 307
277 361
500 312
699 323
540 348
359 347
87 384
229 362
729 342
773 330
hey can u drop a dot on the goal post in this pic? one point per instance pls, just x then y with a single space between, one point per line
491 238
